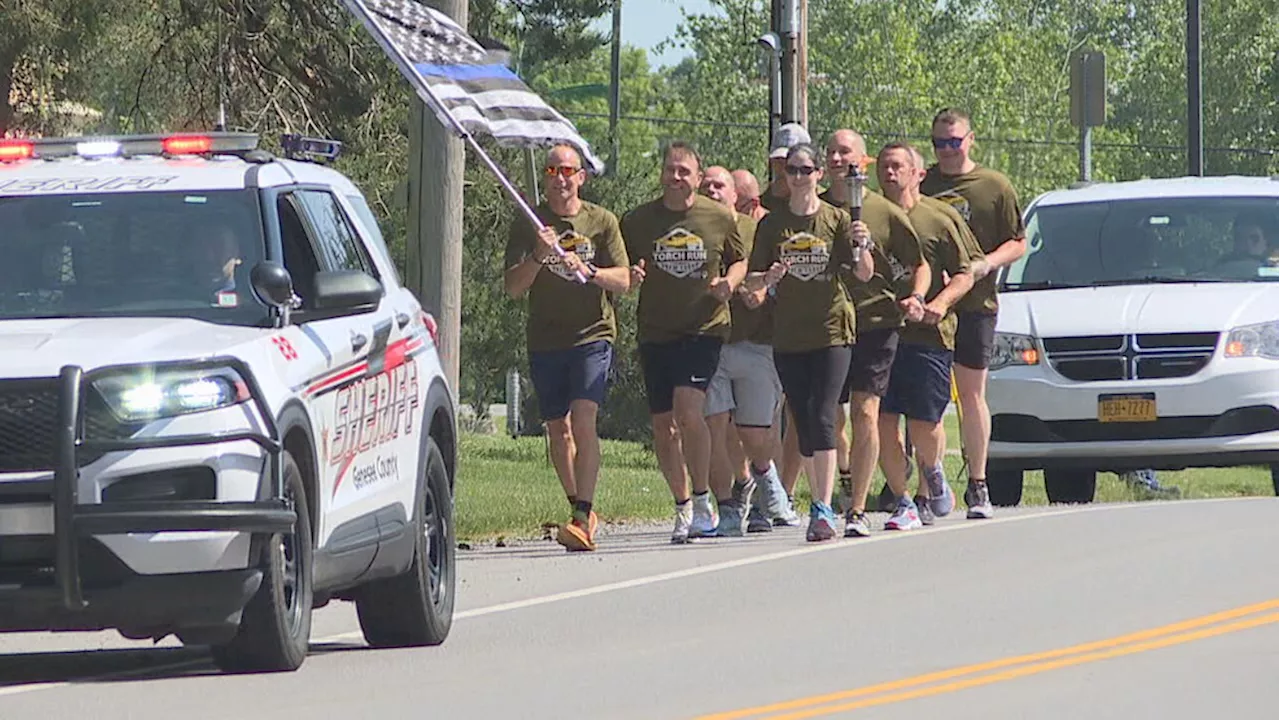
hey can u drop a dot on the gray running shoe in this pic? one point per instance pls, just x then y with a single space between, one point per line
978 500
856 525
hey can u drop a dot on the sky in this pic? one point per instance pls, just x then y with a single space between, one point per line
645 23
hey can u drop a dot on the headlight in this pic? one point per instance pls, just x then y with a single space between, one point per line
1261 340
144 394
1013 349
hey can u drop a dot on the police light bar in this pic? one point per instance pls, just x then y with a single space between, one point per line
169 145
297 147
16 150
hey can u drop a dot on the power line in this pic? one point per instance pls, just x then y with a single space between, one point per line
764 127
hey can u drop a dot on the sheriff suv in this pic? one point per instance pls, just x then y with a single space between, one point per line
219 407
1139 331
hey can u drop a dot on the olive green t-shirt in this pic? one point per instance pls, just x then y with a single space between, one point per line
896 253
988 202
771 202
749 324
564 313
682 251
942 234
811 307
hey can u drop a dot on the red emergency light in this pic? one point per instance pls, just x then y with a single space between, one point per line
16 150
187 144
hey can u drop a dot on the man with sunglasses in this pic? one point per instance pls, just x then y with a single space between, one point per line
987 201
689 260
745 384
571 325
900 270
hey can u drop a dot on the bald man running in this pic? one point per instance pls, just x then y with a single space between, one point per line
743 471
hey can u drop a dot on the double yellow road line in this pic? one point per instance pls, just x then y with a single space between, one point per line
968 676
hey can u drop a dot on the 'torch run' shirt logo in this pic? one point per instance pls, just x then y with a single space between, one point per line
570 241
681 253
806 255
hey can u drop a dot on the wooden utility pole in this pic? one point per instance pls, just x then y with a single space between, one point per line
434 253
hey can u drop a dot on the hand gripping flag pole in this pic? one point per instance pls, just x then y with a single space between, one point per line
466 88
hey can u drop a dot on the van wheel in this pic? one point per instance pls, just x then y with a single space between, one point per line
1005 487
416 607
1070 486
275 627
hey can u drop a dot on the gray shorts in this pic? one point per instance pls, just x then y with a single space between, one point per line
746 383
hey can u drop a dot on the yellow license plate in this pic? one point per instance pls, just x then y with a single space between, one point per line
1140 407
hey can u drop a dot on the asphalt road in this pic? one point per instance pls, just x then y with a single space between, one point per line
1125 611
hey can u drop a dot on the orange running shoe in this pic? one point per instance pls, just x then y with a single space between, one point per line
579 534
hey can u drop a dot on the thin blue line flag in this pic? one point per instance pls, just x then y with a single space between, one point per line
469 82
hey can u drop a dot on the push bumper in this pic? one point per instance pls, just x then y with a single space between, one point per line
75 523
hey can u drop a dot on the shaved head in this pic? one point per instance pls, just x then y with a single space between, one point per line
746 183
717 184
845 137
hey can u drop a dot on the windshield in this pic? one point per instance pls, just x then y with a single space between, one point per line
1212 239
168 254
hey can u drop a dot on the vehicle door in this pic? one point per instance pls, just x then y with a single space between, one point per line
357 405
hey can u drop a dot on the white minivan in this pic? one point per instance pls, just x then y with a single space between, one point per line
1138 331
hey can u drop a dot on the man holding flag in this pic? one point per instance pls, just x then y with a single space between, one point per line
571 326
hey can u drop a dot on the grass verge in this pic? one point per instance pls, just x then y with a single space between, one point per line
508 488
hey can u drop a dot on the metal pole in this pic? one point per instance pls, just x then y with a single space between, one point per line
789 31
615 88
1195 99
1086 124
802 62
1086 153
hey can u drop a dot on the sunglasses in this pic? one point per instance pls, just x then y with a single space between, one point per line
563 171
798 170
948 142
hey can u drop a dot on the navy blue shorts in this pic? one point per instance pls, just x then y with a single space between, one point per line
920 384
562 376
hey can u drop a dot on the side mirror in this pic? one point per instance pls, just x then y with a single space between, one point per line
273 284
346 290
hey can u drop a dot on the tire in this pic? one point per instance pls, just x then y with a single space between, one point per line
1005 487
275 627
415 608
1070 486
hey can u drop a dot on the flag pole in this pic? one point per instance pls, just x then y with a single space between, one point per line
424 92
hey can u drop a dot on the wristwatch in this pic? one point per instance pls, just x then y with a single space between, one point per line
594 271
919 298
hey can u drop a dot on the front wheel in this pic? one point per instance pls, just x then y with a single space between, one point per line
416 607
275 627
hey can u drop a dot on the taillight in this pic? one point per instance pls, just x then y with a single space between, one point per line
432 328
187 144
16 150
